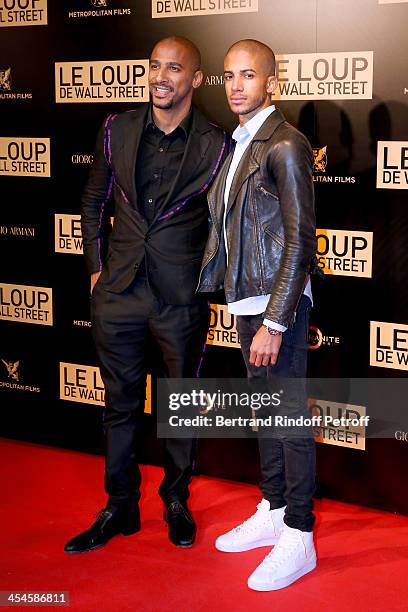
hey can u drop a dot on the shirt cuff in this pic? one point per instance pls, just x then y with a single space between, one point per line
274 325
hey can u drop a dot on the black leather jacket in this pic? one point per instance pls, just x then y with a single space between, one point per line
270 222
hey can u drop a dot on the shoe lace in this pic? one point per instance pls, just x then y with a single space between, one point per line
178 508
283 551
250 523
102 515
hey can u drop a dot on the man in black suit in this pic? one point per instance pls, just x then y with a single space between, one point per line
157 162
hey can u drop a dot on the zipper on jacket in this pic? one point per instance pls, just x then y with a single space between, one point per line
297 305
274 236
266 192
258 251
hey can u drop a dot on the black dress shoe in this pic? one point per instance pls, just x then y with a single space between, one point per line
182 529
107 525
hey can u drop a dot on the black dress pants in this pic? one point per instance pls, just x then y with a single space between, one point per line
122 326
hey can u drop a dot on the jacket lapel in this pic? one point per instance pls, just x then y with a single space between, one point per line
130 149
216 193
247 166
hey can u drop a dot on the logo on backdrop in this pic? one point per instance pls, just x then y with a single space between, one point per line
23 13
101 10
11 377
317 339
17 231
325 76
320 159
83 384
345 252
350 436
389 345
12 368
6 89
214 79
197 8
26 304
25 156
82 159
320 162
222 330
68 236
5 79
392 164
107 81
68 233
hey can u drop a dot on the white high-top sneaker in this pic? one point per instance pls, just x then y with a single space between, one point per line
262 529
293 556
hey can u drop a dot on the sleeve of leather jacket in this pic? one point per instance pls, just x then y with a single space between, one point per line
95 196
291 163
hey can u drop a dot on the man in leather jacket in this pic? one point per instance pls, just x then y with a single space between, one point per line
260 247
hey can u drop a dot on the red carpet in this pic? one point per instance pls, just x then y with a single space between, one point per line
48 495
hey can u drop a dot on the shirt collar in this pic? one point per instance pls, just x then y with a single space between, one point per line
184 125
242 133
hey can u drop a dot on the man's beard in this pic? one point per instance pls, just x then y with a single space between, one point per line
163 104
260 102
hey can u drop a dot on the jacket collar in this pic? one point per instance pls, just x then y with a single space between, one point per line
249 164
253 125
198 120
184 126
269 126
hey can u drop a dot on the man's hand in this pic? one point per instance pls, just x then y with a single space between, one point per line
264 349
94 279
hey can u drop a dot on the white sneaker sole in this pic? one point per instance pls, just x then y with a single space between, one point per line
230 547
283 582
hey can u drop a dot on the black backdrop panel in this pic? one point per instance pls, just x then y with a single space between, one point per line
361 47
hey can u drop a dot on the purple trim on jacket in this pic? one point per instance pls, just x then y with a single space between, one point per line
124 196
108 195
107 153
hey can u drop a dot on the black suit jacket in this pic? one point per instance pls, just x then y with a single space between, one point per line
173 244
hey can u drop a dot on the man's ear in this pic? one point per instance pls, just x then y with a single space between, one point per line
197 79
271 84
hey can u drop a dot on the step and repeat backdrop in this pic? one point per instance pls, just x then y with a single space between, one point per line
343 81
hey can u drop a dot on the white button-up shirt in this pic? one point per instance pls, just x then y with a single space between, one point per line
243 136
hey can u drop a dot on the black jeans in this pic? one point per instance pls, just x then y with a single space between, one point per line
288 464
122 325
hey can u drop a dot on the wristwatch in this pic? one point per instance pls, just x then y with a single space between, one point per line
271 331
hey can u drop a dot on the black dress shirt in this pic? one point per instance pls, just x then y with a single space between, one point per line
158 161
